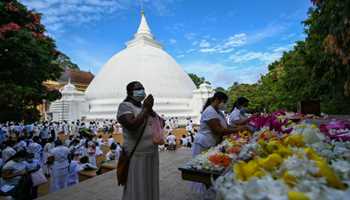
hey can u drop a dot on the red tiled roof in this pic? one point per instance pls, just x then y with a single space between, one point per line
78 77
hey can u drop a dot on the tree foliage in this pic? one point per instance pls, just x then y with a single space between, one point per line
64 62
197 80
318 68
27 58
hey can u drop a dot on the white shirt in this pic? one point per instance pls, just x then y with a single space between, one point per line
100 141
61 157
21 145
234 116
35 149
171 139
7 153
110 141
205 137
184 141
74 168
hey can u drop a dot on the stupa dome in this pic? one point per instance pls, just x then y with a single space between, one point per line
142 60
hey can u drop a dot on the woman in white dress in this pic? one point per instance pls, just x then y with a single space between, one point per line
60 167
143 176
212 127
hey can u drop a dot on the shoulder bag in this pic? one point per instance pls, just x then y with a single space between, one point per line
124 160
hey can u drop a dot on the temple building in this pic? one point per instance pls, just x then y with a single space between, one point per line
80 79
72 106
144 59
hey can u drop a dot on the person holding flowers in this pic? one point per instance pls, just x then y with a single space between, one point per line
213 126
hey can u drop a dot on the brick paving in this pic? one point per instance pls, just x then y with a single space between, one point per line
104 187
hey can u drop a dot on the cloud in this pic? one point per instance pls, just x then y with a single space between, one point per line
269 31
225 46
162 7
190 50
240 67
190 36
264 57
58 14
172 41
224 75
204 44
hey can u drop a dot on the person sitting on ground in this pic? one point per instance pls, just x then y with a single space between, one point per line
112 153
171 139
15 177
91 152
100 140
111 140
85 164
8 152
21 144
184 141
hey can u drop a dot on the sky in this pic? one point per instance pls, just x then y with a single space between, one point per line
225 41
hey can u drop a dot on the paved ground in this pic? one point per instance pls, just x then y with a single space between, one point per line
104 187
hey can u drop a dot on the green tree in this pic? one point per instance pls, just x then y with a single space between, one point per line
27 58
317 68
197 80
220 89
65 62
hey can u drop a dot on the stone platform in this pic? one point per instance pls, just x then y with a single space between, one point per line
104 187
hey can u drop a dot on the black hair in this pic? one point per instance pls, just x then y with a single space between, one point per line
58 143
217 96
19 154
113 146
36 139
51 139
240 102
84 160
130 87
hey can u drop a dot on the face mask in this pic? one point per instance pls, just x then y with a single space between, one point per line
139 95
222 106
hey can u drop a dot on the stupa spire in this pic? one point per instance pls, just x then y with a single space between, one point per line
143 27
143 35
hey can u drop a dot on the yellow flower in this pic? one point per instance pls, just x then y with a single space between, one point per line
284 151
328 173
238 169
311 154
289 179
293 195
272 161
244 171
314 126
295 140
272 146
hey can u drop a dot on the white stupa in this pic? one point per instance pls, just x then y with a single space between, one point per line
144 60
